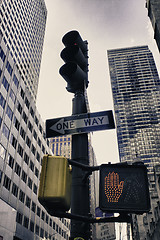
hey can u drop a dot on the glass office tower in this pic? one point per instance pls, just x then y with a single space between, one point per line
136 95
22 28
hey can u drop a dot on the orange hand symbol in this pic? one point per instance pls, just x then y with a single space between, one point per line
113 189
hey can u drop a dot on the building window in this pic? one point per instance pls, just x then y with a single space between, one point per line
39 142
28 141
19 108
7 183
32 112
33 149
21 196
30 183
36 172
15 190
38 211
33 207
43 215
38 157
16 123
43 149
47 219
27 102
2 152
37 229
26 158
15 80
30 126
31 226
5 131
17 169
25 118
26 222
2 101
10 161
22 133
35 135
41 233
35 189
13 141
9 68
22 93
24 176
12 96
19 218
28 202
31 165
5 83
9 113
20 150
2 54
40 128
36 120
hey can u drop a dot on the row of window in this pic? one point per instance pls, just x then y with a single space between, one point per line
30 204
13 97
17 168
8 26
23 220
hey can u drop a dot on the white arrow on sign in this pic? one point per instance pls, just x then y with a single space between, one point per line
63 125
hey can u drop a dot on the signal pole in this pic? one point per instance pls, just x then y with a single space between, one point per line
75 73
80 187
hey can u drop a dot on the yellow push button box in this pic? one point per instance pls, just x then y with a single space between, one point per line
55 184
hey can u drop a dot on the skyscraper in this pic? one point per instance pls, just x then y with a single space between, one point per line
22 28
22 131
153 7
136 95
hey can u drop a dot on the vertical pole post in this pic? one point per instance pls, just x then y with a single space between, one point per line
80 188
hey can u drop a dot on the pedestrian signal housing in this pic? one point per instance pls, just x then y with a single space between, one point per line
55 184
124 188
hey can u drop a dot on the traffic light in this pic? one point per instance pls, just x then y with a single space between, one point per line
55 184
124 188
75 69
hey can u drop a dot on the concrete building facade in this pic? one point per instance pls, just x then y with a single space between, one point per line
22 30
22 146
22 131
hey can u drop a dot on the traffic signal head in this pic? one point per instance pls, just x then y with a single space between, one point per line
75 69
55 184
124 188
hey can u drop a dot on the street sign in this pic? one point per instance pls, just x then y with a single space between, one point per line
81 123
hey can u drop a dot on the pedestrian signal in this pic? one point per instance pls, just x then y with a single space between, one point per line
124 188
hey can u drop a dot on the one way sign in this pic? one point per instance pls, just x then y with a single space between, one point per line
81 123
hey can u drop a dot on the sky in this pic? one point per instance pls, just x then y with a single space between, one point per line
105 24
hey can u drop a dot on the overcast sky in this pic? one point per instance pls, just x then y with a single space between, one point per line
105 24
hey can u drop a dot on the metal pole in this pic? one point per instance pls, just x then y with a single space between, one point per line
80 188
